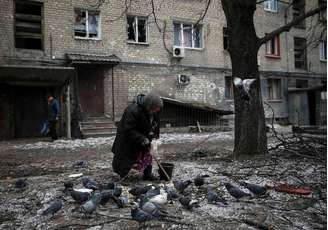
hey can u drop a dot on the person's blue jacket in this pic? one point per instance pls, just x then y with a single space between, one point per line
53 110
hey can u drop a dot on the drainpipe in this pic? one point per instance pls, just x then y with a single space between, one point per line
113 101
68 104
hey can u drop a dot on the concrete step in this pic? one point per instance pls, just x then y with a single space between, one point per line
98 129
98 134
98 124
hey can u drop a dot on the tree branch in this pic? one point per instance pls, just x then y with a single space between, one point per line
289 25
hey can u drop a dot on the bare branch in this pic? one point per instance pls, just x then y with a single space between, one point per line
289 25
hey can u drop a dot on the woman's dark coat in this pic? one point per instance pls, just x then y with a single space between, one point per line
133 128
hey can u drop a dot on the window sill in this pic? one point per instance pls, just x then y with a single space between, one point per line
229 100
138 43
275 100
271 11
273 56
87 39
323 60
190 48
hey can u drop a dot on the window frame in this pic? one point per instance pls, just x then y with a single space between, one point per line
41 22
269 98
136 17
231 98
271 3
98 38
192 35
305 55
277 53
324 51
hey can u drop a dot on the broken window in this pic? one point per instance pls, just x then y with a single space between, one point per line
274 89
228 90
28 25
86 24
323 13
272 47
323 50
300 53
225 38
271 5
298 10
137 29
188 35
301 83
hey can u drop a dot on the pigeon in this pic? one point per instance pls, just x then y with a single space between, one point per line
91 205
188 203
213 197
109 185
80 163
121 201
54 207
171 193
68 185
235 191
106 195
153 192
139 215
79 197
21 183
139 190
200 180
117 191
155 210
159 199
181 185
89 183
244 86
255 189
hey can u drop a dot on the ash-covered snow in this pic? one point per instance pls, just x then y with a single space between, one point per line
166 138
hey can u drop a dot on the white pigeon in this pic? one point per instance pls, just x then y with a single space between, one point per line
244 85
159 199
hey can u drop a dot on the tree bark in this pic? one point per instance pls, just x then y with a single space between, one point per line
250 132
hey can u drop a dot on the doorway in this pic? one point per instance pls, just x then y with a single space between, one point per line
312 107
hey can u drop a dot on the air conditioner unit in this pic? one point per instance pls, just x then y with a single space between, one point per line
178 52
183 79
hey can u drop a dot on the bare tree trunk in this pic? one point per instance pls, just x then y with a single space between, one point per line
250 132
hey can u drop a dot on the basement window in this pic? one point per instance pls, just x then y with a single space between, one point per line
228 89
271 5
272 47
274 89
188 35
298 10
87 24
28 25
137 29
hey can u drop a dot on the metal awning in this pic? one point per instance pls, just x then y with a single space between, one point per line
35 75
198 105
78 58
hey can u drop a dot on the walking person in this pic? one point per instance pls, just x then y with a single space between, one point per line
53 116
136 129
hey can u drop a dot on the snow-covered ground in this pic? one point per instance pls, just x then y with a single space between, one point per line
166 138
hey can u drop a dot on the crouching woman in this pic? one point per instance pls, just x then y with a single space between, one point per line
136 129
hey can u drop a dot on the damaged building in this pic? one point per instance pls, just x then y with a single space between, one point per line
95 58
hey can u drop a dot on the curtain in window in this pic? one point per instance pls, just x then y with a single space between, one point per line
187 35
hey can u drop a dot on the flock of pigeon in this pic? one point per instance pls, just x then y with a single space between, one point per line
149 200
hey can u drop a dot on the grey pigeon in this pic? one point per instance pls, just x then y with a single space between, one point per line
80 197
91 205
236 192
89 183
172 193
54 207
200 180
109 185
21 183
106 195
213 197
255 189
121 201
181 185
153 192
117 191
68 185
80 163
188 203
139 190
139 215
155 210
